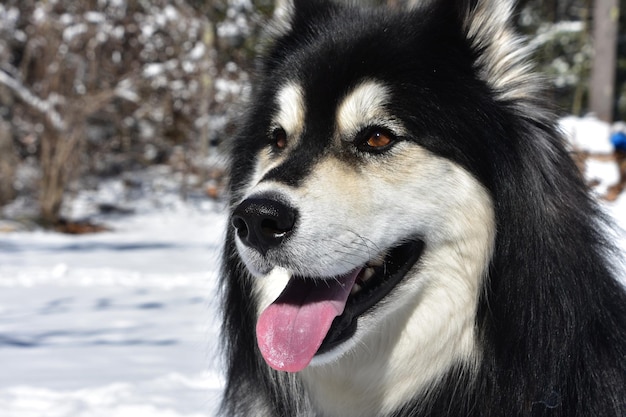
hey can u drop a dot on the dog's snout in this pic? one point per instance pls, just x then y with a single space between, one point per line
263 223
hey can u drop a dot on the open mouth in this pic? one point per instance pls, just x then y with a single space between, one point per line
313 316
372 284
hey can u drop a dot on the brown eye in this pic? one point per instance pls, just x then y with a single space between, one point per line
379 140
279 138
375 140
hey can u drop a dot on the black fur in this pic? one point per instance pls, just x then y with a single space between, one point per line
552 319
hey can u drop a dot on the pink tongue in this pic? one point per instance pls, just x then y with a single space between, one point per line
291 330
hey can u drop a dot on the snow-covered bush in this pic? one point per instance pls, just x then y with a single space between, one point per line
97 87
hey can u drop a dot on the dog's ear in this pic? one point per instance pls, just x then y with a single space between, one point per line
501 53
471 13
292 20
290 14
483 17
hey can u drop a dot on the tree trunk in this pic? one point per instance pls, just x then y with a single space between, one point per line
8 164
59 155
602 87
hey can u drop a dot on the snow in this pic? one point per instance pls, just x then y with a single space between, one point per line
549 32
9 15
122 323
604 173
588 134
153 69
197 52
170 12
71 32
125 323
42 106
95 17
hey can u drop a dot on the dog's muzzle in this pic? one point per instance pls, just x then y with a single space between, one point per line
263 222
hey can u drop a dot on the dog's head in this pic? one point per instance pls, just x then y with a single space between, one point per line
361 202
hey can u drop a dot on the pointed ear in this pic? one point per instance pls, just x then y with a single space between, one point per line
502 55
288 14
458 7
473 15
486 16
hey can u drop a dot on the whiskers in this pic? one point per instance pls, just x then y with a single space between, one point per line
347 250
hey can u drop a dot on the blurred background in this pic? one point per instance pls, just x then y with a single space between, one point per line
93 89
114 115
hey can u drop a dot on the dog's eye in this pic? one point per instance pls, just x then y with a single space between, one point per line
379 140
376 140
279 138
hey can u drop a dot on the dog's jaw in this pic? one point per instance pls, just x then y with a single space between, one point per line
432 327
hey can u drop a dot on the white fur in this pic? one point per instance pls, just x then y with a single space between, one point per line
291 108
275 283
425 325
283 15
504 61
364 107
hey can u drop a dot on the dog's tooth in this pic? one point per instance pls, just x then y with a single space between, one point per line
367 274
355 289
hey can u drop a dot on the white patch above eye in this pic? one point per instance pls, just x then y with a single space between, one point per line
291 109
362 107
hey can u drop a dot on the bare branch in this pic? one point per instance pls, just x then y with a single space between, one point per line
45 107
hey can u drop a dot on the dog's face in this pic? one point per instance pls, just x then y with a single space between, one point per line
333 196
357 208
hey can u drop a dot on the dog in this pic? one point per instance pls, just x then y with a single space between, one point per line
408 235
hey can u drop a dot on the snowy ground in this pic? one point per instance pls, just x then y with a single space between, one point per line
124 323
114 324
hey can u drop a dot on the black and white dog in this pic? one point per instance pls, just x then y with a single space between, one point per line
409 235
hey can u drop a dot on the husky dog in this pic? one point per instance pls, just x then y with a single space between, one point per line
409 236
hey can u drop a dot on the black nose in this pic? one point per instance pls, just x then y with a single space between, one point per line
262 223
